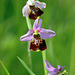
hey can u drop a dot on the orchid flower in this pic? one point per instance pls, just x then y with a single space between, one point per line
33 9
37 36
52 70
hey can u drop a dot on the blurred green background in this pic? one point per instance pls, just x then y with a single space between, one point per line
59 16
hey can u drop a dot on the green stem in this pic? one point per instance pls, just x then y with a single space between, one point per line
28 22
44 58
29 53
5 68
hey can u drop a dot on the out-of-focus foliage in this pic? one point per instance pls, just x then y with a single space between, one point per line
59 16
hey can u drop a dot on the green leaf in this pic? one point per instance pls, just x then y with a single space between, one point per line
5 68
24 64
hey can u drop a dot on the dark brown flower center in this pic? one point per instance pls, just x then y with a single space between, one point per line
34 12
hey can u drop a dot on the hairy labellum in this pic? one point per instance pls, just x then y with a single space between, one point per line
38 44
35 12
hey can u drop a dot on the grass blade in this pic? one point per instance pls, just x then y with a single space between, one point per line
72 60
5 68
24 64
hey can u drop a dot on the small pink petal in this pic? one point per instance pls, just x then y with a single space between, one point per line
25 10
60 67
28 36
48 66
40 4
37 24
46 33
30 2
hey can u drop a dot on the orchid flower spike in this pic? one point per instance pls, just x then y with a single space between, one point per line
52 70
33 9
37 36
